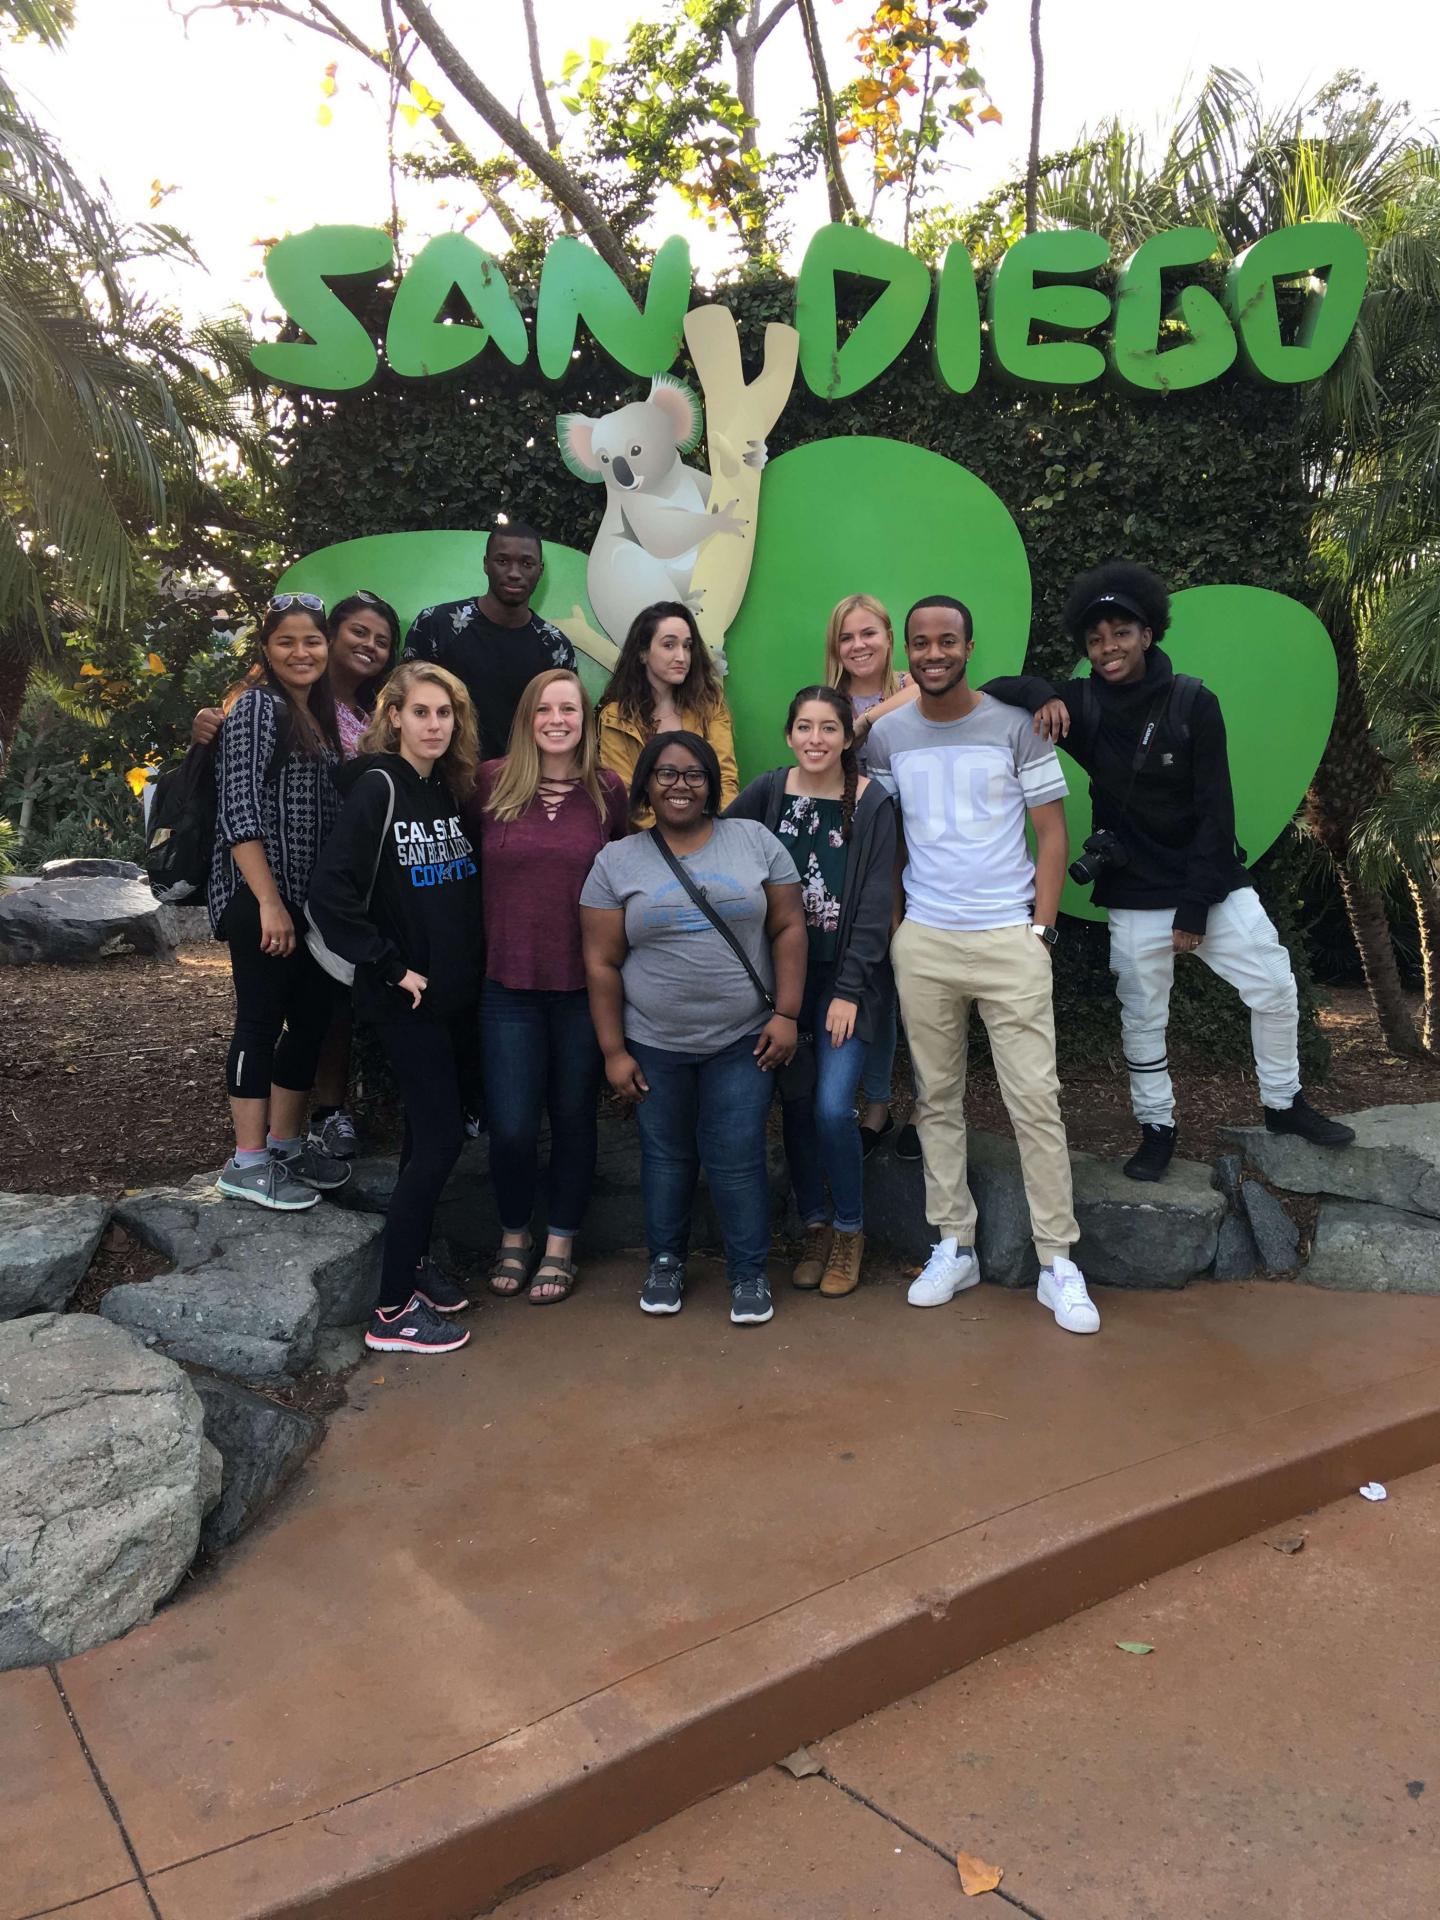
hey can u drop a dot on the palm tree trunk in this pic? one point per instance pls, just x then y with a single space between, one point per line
14 676
1425 896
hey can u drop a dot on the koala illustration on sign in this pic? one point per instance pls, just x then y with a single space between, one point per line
656 519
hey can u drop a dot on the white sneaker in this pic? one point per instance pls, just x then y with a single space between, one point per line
943 1276
1062 1289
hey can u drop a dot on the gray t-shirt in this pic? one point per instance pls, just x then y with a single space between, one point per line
685 990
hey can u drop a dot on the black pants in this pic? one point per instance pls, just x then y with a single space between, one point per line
282 1007
424 1057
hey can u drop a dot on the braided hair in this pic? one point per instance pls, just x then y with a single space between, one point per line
849 758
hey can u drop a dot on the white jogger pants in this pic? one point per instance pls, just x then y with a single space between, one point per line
1242 946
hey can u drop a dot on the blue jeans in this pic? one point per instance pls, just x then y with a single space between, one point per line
822 1141
706 1109
540 1055
880 1058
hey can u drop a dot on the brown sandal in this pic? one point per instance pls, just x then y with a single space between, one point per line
553 1271
510 1273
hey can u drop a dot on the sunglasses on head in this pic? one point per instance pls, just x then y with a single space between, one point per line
310 601
370 599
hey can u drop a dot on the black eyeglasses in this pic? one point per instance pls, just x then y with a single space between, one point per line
310 601
687 776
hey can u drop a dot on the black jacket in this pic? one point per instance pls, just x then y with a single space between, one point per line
1179 825
424 913
862 948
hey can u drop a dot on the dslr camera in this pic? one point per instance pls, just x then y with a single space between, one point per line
1102 852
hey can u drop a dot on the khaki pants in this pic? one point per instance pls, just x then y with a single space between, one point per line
1007 971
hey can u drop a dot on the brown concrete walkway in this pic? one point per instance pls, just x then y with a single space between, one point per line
529 1601
1277 1757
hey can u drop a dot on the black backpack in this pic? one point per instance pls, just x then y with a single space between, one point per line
180 832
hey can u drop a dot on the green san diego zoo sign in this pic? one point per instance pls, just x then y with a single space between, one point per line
1045 280
761 541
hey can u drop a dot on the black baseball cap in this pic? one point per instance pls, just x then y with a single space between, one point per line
1112 603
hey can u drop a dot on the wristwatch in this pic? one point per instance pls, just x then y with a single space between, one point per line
1050 935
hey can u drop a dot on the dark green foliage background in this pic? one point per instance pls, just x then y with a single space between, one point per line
1206 487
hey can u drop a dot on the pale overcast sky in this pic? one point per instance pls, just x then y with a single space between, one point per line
227 114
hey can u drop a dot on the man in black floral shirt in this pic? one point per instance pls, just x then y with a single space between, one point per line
495 643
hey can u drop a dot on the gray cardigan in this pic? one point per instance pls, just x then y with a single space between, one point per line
862 950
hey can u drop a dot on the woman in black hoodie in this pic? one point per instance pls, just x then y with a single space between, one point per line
839 828
396 894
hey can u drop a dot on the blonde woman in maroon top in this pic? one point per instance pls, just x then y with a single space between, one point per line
539 817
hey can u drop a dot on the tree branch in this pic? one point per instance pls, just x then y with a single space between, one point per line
837 187
1032 163
542 95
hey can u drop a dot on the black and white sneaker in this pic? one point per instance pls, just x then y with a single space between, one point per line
336 1136
312 1168
750 1302
438 1290
413 1328
664 1288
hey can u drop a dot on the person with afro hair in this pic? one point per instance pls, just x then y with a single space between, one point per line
1162 854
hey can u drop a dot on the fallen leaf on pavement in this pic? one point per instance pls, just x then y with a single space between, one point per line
1134 1646
800 1764
977 1875
1289 1546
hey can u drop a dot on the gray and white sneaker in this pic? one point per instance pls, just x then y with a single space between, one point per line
269 1184
315 1169
336 1136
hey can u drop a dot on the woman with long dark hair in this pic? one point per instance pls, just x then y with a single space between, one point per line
275 805
539 817
695 957
839 829
664 682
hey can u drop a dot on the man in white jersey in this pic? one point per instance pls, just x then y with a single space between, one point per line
978 926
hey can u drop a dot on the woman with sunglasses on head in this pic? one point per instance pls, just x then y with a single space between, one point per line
664 682
694 942
539 817
275 805
396 893
840 830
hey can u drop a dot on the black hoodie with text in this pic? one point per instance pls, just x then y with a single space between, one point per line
423 915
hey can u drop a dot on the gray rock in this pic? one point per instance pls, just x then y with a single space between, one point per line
257 1325
1371 1249
262 1447
73 921
1229 1173
106 1476
1277 1238
46 1243
335 1252
1236 1255
1395 1161
337 1349
92 867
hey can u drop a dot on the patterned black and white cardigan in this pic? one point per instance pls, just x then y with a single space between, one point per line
291 813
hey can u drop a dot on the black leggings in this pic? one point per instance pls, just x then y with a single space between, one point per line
424 1057
282 1007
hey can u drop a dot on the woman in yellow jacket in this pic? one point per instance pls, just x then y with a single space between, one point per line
664 683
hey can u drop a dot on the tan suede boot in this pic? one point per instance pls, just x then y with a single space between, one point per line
814 1252
842 1269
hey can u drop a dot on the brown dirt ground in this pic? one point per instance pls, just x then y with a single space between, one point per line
113 1079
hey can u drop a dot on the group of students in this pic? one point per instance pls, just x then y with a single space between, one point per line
532 897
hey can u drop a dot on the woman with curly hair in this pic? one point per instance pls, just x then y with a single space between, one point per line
396 894
664 683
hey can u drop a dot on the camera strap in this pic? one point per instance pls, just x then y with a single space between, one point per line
1146 741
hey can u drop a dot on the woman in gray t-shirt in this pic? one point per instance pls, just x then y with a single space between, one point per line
691 1030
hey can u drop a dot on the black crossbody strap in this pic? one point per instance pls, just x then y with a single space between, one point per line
697 894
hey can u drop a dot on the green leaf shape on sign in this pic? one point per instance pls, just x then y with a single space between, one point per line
1323 248
576 284
1270 663
415 570
956 354
339 354
1018 300
418 344
833 368
1137 358
865 515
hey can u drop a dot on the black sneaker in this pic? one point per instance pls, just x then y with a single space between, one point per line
1157 1146
312 1168
438 1290
870 1137
664 1288
750 1302
907 1143
1308 1123
415 1328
